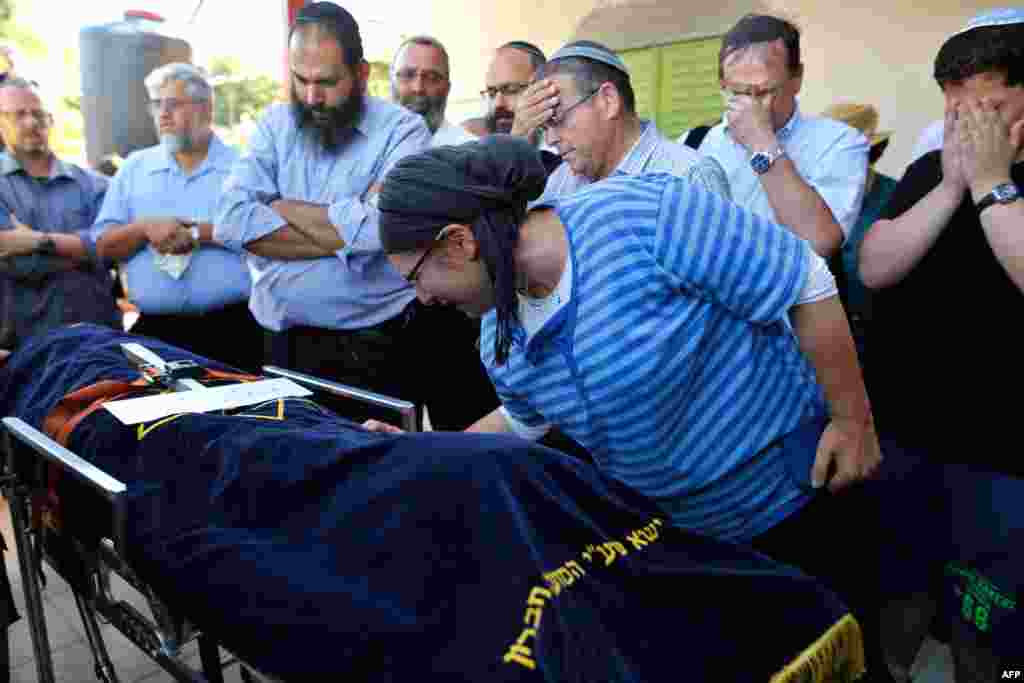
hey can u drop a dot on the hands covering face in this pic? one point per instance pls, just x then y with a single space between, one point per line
749 118
979 145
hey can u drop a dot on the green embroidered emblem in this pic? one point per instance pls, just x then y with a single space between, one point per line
981 600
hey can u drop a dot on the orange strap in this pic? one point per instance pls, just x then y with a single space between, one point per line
220 374
71 409
78 405
75 407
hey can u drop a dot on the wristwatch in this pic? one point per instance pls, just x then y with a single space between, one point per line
762 161
1003 193
193 230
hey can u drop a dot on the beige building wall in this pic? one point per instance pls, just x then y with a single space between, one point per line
873 51
881 53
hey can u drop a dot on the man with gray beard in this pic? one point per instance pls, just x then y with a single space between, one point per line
156 222
420 83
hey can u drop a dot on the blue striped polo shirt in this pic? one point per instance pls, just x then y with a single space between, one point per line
672 362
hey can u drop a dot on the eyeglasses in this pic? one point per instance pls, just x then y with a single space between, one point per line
172 104
506 89
429 77
750 91
41 117
558 119
414 274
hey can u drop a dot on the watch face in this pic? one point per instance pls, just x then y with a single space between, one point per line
760 163
1006 192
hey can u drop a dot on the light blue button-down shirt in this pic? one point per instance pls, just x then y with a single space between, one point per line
651 153
152 184
829 155
355 288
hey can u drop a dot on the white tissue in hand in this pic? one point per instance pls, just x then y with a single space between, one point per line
174 265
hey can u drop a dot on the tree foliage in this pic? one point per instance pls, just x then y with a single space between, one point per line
239 95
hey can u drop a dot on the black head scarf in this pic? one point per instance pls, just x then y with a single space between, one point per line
484 184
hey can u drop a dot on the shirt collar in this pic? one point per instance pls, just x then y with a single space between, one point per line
9 165
640 153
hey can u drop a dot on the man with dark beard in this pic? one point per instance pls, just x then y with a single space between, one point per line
301 207
420 83
510 72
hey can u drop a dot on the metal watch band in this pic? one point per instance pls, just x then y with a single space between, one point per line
1005 193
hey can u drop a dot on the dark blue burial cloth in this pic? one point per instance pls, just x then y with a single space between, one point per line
316 550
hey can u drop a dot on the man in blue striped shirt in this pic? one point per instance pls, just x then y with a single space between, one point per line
647 318
156 221
584 105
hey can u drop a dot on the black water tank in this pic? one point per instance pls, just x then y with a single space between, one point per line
116 58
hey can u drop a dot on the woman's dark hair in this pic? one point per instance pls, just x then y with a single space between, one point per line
484 184
982 50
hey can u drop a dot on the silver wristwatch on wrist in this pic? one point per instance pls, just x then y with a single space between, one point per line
1003 193
761 162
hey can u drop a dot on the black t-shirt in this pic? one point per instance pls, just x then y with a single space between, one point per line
945 355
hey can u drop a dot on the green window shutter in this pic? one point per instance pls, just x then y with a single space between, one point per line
689 90
676 85
644 67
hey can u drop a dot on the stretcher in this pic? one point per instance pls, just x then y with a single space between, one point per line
310 549
30 457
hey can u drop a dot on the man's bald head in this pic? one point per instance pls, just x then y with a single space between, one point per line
510 71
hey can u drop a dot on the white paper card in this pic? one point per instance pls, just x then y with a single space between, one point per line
148 408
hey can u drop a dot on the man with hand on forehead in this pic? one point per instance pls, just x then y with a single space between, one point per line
595 129
510 73
805 173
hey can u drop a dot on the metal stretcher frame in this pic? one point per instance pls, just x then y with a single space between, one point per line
26 455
